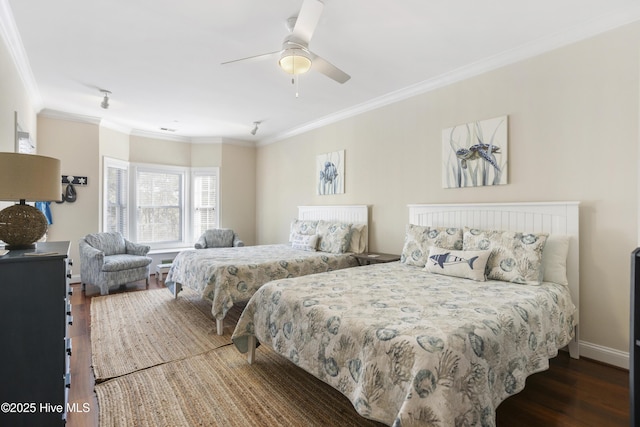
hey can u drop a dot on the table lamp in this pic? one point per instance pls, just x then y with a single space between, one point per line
26 178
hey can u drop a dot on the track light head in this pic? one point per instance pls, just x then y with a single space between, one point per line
255 128
105 101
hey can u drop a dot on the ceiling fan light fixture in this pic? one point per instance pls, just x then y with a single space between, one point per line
295 61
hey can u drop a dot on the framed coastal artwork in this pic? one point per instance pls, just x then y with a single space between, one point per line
330 173
475 154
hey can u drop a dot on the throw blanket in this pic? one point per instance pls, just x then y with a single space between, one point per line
408 347
225 276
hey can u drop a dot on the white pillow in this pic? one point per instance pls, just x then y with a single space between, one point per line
306 242
554 259
466 264
357 245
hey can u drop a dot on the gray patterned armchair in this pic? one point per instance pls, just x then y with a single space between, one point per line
218 238
108 260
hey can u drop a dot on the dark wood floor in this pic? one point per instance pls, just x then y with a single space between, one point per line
571 393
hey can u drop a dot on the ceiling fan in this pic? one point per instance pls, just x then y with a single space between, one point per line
295 56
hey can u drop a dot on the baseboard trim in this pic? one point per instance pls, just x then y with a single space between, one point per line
603 354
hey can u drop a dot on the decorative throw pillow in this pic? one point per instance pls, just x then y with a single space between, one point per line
515 257
419 239
466 264
306 242
302 226
334 236
554 259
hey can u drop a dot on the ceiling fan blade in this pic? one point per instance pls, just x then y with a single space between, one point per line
307 20
253 58
328 69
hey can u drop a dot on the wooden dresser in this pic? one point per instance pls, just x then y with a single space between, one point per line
36 313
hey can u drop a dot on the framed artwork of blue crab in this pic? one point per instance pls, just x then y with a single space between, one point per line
475 154
330 173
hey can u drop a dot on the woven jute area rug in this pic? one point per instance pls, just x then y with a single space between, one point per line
219 388
136 330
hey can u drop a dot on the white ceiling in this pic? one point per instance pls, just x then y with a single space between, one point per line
161 59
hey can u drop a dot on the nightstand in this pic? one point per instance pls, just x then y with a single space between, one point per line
367 258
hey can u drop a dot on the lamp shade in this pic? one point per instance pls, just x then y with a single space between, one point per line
29 177
26 177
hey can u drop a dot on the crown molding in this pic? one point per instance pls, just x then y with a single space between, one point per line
589 29
97 121
11 36
72 117
158 135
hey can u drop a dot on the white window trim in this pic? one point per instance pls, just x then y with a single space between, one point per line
107 163
133 197
187 193
214 170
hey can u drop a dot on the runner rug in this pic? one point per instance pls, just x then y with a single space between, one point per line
219 388
137 330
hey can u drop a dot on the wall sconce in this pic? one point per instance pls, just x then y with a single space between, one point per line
26 178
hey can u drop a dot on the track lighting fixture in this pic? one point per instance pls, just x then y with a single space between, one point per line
255 128
105 101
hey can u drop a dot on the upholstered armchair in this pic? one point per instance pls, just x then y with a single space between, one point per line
218 238
108 260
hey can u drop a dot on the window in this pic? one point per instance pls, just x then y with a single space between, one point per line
159 197
205 200
116 196
170 206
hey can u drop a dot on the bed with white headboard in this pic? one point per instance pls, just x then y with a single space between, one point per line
409 344
226 276
559 218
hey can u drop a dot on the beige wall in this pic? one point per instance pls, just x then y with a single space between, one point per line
573 135
238 191
159 151
76 145
13 98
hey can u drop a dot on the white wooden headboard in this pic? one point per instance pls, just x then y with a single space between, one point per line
355 214
544 217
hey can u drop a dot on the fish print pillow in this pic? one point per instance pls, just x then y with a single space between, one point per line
515 257
465 264
419 239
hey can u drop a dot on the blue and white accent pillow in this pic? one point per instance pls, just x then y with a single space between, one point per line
515 257
419 239
465 264
334 236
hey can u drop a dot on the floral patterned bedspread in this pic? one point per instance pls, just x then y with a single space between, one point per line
409 347
225 276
